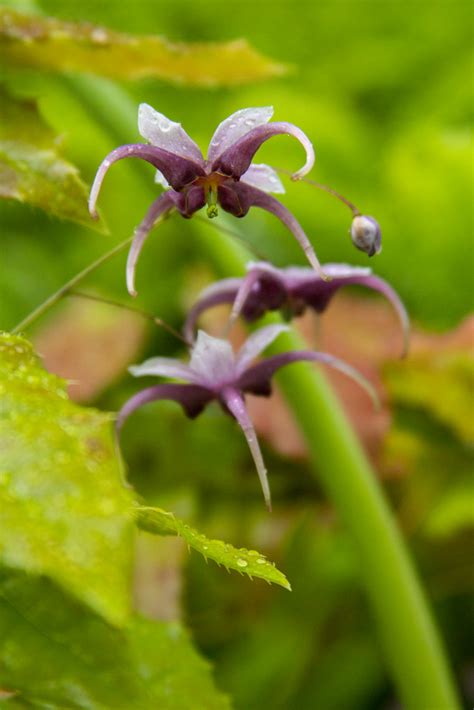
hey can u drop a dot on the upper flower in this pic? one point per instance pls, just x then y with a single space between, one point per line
227 177
215 372
266 288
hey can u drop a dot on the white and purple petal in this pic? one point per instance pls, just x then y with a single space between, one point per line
212 361
163 367
169 135
264 177
238 124
256 344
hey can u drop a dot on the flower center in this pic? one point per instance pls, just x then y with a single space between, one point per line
210 183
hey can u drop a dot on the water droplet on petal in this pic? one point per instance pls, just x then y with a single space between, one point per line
261 561
241 562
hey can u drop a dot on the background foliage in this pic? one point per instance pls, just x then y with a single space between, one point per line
381 89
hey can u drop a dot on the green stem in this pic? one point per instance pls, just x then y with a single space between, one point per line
409 635
64 290
138 311
410 639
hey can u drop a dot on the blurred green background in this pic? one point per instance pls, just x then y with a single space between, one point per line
382 90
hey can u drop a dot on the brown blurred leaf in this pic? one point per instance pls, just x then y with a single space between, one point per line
90 345
49 43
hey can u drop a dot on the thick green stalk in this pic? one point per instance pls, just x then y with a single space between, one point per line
411 642
408 633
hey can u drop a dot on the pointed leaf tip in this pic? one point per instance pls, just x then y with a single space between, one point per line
249 562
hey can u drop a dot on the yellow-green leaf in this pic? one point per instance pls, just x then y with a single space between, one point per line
250 562
440 383
32 169
64 510
49 43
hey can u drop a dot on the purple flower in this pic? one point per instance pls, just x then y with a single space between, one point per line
226 178
266 288
214 372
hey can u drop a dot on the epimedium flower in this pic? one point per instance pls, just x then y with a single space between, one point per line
215 372
292 290
227 178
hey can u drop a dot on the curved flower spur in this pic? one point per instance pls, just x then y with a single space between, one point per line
214 372
292 290
227 178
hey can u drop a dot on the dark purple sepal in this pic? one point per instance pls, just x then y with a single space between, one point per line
192 398
224 295
190 200
257 379
177 170
232 197
235 161
159 208
239 198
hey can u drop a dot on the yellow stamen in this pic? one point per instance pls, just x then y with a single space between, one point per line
211 199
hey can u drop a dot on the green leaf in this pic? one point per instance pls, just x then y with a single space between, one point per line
250 562
439 382
48 43
32 169
55 653
454 512
64 510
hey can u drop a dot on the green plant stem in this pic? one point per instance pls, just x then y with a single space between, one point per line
411 642
64 290
407 630
138 311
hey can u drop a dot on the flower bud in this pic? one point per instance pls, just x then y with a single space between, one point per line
366 234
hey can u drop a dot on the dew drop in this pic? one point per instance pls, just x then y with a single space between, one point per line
99 35
261 561
232 125
241 562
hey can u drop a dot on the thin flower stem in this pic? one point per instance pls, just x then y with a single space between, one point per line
144 314
408 633
224 229
64 290
325 188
